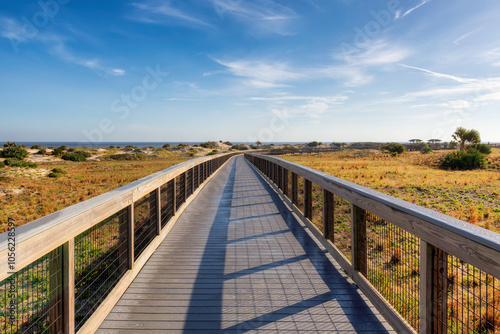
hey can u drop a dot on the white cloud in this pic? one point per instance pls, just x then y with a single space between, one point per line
441 75
416 7
163 12
11 29
264 15
464 36
378 52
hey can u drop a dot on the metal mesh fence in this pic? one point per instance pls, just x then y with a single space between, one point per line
465 299
392 258
317 206
31 299
101 259
342 226
144 222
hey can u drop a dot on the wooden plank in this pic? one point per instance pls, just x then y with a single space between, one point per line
359 247
158 210
56 313
295 189
286 189
426 258
472 244
68 250
174 196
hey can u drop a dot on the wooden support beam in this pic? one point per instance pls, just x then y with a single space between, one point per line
439 290
56 312
130 236
308 199
158 210
295 189
286 190
328 215
426 262
174 196
358 247
68 273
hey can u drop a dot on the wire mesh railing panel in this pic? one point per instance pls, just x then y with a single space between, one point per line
342 226
189 182
101 259
144 222
300 193
167 202
180 190
465 299
393 266
31 299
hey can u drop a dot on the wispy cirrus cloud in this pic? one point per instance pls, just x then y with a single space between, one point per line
166 13
414 8
263 15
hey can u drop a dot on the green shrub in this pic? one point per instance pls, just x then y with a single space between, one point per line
128 156
74 157
42 151
59 170
166 146
36 147
461 160
314 144
2 165
63 147
481 148
13 162
206 145
14 152
394 148
9 144
57 152
425 149
240 147
54 175
84 153
228 143
71 149
191 154
214 152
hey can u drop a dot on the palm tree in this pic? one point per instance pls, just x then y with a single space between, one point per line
464 136
258 143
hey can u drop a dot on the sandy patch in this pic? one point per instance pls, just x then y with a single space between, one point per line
34 173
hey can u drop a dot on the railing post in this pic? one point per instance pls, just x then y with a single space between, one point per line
130 235
308 199
56 312
286 191
69 286
358 247
174 196
328 212
439 290
192 180
185 185
158 211
295 189
426 259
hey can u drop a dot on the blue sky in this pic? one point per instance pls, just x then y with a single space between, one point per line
268 70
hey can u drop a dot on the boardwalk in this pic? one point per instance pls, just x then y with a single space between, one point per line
237 261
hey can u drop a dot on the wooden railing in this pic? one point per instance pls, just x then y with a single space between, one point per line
424 271
63 273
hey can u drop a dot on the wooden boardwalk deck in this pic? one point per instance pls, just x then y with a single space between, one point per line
237 261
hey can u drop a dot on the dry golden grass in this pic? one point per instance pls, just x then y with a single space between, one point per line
472 196
28 194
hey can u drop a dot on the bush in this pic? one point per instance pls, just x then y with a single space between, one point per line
240 147
84 153
13 162
63 147
461 160
9 144
481 148
74 157
42 151
314 144
2 165
228 143
57 152
59 171
191 154
166 146
128 156
36 147
394 148
206 145
425 149
54 175
14 152
214 152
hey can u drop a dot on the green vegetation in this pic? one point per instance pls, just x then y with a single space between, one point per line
36 147
239 147
166 146
394 148
13 162
57 152
481 148
214 152
206 145
9 144
2 165
425 149
59 170
314 144
464 137
460 160
14 152
128 156
75 156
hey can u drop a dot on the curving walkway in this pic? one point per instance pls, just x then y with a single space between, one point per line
237 261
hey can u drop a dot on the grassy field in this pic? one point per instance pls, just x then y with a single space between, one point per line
27 194
472 196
